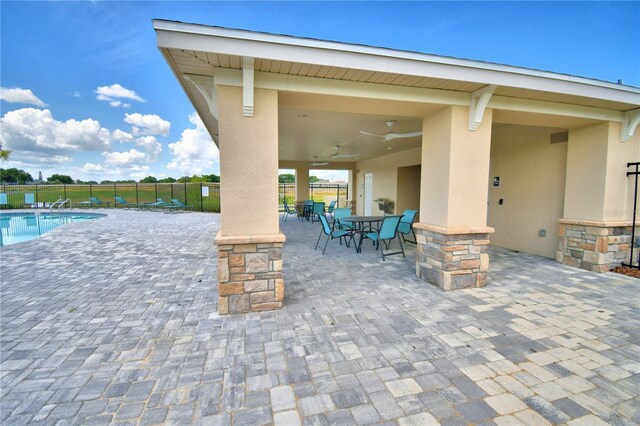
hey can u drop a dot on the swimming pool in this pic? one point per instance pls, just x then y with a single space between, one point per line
19 227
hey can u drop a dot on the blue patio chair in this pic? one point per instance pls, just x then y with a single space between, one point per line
288 211
338 215
406 225
317 211
121 202
29 199
331 207
331 233
3 200
387 232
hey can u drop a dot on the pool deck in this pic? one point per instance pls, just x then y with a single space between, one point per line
114 321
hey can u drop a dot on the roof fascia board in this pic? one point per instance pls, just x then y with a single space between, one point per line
243 43
291 83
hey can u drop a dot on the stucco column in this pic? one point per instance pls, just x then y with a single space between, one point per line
452 234
595 232
302 183
249 242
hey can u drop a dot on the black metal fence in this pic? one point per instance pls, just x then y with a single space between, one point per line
203 196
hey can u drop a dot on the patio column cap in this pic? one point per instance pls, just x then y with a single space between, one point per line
222 240
454 229
598 223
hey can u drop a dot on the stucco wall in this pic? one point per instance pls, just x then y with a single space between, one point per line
532 182
385 176
408 192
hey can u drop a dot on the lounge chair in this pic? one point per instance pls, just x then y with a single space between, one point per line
121 202
159 203
180 205
3 200
93 202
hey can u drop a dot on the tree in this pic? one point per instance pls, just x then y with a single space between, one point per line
286 178
106 182
14 175
211 178
149 179
56 178
167 180
313 179
4 153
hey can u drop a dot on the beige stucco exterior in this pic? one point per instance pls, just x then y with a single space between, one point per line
455 167
408 194
532 181
249 162
597 187
385 177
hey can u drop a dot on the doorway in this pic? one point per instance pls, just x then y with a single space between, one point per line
368 193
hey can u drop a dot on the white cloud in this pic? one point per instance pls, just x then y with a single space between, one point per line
126 158
76 94
22 96
93 168
148 124
93 171
152 147
114 95
31 133
195 152
122 136
117 91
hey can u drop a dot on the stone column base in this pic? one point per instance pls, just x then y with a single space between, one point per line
452 258
593 245
250 273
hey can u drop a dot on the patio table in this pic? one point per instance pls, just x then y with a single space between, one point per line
360 221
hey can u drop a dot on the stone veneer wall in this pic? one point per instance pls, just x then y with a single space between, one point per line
450 260
249 277
594 246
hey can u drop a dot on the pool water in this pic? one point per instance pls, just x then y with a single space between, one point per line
19 227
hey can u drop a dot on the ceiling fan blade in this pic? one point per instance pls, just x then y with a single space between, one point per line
319 164
346 155
408 135
372 134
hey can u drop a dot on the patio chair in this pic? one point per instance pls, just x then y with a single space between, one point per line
3 200
388 231
331 207
406 225
30 199
288 211
338 215
159 204
331 233
317 210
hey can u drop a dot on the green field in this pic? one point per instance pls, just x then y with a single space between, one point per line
189 193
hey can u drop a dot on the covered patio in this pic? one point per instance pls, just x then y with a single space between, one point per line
533 158
127 331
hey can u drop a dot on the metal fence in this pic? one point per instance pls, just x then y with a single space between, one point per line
198 196
318 192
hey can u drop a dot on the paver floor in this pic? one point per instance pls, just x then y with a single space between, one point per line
114 321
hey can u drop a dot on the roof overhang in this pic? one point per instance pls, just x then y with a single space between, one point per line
204 56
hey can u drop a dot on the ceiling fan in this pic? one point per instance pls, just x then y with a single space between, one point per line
337 153
316 163
391 135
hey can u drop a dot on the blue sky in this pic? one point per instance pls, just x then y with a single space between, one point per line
85 91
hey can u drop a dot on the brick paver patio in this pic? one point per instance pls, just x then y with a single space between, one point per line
114 321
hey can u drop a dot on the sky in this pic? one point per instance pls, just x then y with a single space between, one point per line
85 91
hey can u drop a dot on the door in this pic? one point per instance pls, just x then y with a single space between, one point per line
368 191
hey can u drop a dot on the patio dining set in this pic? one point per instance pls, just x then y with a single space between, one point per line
341 224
